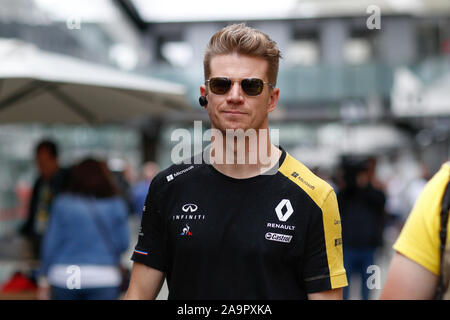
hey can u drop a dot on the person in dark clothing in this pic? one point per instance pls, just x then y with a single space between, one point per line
362 213
239 229
50 182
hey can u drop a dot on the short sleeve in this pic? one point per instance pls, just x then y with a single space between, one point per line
419 238
324 262
150 245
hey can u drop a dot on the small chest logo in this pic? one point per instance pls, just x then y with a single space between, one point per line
188 213
278 237
186 231
189 207
285 203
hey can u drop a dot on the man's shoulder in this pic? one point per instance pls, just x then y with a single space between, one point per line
446 169
317 188
434 189
64 200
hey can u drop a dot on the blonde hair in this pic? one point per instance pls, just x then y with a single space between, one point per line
239 38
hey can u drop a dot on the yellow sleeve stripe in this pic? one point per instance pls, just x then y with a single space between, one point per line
325 198
333 240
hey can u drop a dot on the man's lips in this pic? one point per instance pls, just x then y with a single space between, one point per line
233 112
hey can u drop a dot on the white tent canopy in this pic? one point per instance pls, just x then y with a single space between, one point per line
43 87
412 98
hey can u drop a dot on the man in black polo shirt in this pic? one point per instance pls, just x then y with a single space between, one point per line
239 226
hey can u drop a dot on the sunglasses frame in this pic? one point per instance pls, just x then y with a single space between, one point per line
208 83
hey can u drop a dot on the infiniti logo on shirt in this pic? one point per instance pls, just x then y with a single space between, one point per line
189 207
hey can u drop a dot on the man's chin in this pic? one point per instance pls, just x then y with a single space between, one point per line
236 125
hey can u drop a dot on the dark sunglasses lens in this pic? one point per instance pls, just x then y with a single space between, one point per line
252 87
220 85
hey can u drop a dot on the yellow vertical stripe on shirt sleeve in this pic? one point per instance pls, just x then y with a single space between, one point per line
325 198
333 240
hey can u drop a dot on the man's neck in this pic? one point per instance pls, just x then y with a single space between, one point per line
244 161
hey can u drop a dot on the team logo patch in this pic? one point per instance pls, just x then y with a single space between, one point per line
186 231
189 207
288 211
278 237
170 177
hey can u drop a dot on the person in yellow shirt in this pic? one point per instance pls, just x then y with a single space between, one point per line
420 266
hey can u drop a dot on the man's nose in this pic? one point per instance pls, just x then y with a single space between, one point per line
235 95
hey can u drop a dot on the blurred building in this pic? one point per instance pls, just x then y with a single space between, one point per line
358 77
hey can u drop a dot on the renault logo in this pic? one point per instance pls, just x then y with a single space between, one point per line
279 210
189 207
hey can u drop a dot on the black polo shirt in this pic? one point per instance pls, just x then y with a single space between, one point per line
267 237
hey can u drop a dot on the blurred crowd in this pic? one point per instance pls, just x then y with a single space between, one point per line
79 216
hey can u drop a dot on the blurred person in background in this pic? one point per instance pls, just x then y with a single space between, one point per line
420 267
140 189
325 174
88 228
371 171
124 176
362 209
413 190
51 181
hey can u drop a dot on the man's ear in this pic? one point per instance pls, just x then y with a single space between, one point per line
203 91
273 99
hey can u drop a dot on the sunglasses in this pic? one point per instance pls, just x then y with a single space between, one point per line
251 86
